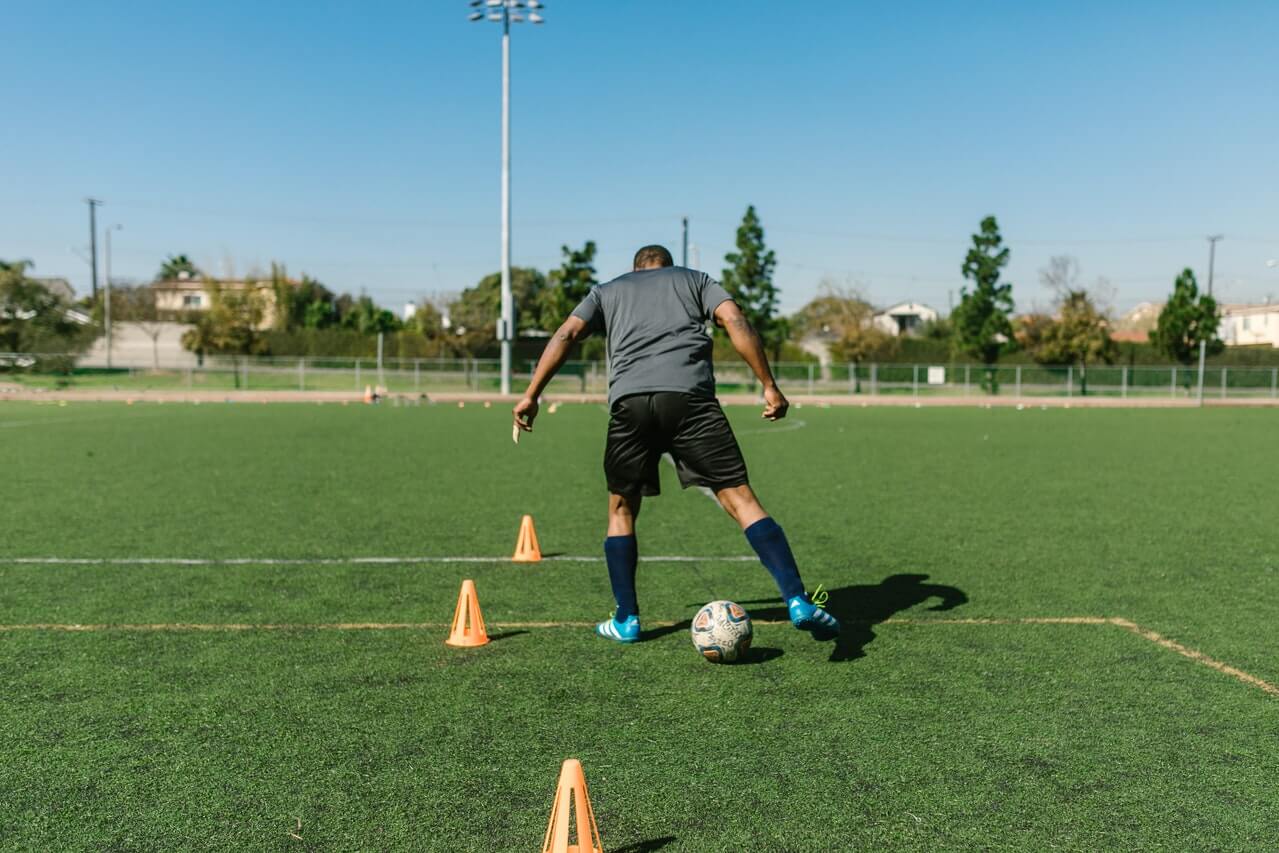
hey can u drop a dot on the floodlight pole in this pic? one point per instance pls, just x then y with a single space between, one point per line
507 306
489 9
684 262
1203 342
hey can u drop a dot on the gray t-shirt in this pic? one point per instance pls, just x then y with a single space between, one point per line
656 326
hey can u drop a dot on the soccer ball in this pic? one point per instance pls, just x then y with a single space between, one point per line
722 631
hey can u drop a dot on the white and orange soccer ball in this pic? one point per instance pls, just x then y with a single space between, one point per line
722 631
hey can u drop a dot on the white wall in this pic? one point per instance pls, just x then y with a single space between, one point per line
131 346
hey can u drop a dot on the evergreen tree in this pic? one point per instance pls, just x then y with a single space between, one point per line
749 280
1185 320
982 327
567 286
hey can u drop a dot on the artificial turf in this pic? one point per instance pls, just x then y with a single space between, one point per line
916 734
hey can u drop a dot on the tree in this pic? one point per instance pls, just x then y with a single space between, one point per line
368 319
982 327
177 267
1079 334
847 319
426 321
749 280
567 286
1188 318
475 312
231 325
33 319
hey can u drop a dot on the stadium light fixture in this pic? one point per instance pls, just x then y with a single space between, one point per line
506 13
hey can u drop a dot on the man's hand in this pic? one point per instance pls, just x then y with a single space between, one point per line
775 404
525 411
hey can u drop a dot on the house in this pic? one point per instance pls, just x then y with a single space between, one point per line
1136 324
1250 325
905 318
59 287
192 295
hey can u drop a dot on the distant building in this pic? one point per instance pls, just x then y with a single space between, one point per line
194 295
1136 324
905 318
1249 325
57 286
410 311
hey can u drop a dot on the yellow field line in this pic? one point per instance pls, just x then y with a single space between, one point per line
1126 624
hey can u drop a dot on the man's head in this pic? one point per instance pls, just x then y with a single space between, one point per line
653 257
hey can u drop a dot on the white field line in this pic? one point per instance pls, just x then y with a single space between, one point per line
337 561
1128 625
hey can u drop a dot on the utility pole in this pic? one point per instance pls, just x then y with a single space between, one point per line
93 242
684 262
1203 341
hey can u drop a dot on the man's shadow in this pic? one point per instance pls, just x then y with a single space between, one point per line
860 607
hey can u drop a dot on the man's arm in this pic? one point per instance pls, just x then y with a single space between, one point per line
751 349
553 358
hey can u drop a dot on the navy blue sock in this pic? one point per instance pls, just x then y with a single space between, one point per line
622 555
769 542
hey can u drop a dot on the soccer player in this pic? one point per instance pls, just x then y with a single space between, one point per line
661 394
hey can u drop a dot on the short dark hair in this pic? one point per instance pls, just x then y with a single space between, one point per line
654 254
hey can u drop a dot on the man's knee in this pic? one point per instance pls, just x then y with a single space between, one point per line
741 503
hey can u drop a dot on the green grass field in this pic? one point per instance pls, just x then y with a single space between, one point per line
923 728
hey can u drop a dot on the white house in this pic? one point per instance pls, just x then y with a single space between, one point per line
1242 325
905 318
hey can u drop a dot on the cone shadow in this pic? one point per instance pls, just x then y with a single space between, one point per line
646 846
505 635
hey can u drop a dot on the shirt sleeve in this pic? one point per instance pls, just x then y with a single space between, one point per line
713 293
591 312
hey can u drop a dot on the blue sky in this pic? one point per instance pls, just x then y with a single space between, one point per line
359 142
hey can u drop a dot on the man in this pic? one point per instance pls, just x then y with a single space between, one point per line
661 395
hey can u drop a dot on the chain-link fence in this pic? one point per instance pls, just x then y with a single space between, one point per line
403 376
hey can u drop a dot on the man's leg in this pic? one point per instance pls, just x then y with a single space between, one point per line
769 541
622 553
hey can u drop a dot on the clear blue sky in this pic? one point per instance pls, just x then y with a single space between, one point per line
359 142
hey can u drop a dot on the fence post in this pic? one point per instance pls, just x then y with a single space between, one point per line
852 378
301 374
245 371
1223 382
914 379
1274 382
1172 386
357 374
874 379
1019 381
966 389
1070 379
1123 382
810 378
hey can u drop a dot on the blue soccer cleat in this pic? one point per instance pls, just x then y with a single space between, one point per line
809 616
627 631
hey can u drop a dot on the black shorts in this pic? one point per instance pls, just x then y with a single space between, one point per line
692 429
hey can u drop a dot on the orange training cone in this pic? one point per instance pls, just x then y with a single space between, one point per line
571 796
526 548
368 393
468 623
